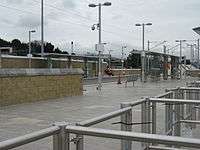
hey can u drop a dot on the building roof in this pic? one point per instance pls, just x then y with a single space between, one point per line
152 53
197 30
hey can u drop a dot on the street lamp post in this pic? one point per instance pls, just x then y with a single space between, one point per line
122 58
180 57
100 43
29 47
109 64
42 28
143 50
198 48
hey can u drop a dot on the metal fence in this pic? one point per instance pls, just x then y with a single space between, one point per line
181 106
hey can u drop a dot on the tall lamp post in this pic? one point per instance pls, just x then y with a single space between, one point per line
29 46
143 50
180 57
122 59
100 42
109 52
42 28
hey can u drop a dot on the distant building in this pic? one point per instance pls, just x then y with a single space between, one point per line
6 50
197 30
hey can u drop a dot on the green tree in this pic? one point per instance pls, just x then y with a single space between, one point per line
48 48
133 61
57 50
4 43
16 44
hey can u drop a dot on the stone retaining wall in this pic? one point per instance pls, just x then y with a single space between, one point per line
30 85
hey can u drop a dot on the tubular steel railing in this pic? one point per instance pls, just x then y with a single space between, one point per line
181 106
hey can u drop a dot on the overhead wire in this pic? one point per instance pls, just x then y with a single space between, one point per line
68 22
76 13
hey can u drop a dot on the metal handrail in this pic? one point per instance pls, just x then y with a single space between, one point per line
189 88
163 148
133 136
103 118
28 138
135 103
175 101
164 94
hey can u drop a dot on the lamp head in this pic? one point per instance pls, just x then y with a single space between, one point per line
93 27
149 24
138 24
107 4
92 5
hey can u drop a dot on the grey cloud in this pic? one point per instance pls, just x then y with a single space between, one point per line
29 21
6 21
116 17
15 1
69 3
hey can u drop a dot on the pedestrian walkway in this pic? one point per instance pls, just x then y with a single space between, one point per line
25 118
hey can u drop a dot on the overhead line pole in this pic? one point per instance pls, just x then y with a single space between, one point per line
42 28
198 48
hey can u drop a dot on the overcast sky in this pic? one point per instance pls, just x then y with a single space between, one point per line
71 20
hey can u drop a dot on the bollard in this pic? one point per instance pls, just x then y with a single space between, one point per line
61 141
126 120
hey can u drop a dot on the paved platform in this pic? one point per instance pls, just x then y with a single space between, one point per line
21 119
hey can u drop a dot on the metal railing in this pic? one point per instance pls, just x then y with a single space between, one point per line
179 108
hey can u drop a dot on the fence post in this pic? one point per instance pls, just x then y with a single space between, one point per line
182 107
198 110
172 95
153 118
126 125
61 141
148 115
145 117
193 111
167 117
177 126
80 141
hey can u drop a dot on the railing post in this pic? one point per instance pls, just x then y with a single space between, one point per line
193 111
61 141
126 120
198 110
171 114
145 119
153 117
182 107
148 114
177 126
167 117
80 141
